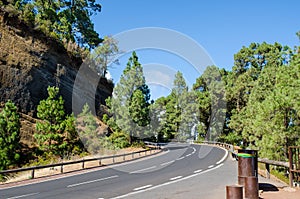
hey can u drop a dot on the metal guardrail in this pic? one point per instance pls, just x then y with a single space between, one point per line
229 147
83 161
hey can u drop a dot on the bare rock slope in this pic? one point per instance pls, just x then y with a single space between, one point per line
31 61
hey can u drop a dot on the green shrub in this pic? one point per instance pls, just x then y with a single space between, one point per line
119 140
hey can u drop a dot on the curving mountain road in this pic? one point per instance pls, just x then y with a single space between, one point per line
182 171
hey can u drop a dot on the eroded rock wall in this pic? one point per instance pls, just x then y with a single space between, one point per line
30 62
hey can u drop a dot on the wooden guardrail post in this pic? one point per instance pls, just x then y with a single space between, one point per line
267 171
61 168
32 173
291 176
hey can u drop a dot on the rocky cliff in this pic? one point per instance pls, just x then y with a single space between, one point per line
31 61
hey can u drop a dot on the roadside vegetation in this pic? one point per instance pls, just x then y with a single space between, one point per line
254 105
64 20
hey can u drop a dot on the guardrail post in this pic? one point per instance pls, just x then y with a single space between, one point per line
32 174
114 159
291 176
61 168
83 164
132 155
124 157
145 152
100 162
268 171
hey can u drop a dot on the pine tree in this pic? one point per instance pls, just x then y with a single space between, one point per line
252 79
68 20
105 54
130 102
9 136
211 103
176 112
56 131
87 130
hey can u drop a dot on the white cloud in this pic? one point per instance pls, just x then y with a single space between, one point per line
159 74
108 75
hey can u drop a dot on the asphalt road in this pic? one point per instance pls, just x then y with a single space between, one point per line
176 173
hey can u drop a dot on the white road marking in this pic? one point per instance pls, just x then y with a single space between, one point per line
88 182
22 196
170 162
138 171
175 178
225 156
188 155
180 158
198 171
167 183
194 150
143 187
87 171
211 166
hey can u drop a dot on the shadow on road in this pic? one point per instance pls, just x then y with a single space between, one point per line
267 187
177 148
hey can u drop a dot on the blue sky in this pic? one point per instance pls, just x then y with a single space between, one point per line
220 27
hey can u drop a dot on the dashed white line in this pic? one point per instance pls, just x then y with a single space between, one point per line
22 196
175 178
167 183
211 166
145 169
88 182
166 163
198 171
180 158
143 187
